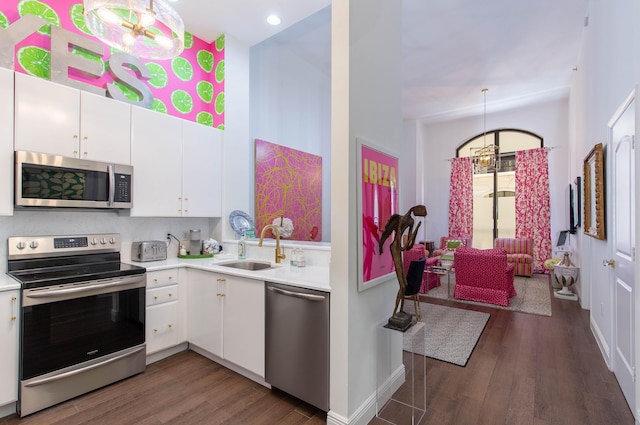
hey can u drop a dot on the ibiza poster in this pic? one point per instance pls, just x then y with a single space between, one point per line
378 190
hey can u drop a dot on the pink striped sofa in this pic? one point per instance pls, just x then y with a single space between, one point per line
519 253
483 275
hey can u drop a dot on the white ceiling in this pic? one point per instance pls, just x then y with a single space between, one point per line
522 51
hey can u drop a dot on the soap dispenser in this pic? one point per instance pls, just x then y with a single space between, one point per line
242 248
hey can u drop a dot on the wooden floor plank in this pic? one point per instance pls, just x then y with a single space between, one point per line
525 370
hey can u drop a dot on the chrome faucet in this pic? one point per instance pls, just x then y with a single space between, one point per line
279 253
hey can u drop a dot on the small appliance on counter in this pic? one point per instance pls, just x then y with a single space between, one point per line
148 251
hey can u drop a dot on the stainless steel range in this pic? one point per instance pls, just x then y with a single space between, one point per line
82 316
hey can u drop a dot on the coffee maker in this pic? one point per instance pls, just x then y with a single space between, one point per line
195 242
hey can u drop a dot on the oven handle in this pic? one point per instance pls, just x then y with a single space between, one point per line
82 370
47 293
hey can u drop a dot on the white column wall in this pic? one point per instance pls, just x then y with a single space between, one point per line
365 104
238 151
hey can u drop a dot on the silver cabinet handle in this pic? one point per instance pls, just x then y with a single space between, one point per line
309 297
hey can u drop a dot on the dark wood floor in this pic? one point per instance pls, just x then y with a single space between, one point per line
525 370
185 389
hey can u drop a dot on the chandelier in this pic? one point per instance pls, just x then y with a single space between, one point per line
487 158
142 28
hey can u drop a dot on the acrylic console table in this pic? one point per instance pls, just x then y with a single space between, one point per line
401 376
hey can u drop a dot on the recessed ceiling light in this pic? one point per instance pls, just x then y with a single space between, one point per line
273 20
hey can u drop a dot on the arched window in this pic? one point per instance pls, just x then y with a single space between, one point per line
493 192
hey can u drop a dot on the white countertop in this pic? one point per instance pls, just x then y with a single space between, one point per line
310 277
7 283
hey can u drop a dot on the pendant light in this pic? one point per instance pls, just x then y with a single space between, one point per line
143 28
487 158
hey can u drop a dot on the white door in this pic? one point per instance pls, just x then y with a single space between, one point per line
622 133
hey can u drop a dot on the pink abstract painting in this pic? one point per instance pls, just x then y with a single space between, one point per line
289 184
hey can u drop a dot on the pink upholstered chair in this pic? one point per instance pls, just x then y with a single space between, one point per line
429 280
443 244
483 275
519 253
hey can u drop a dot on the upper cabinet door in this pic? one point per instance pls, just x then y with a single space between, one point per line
105 129
201 170
47 116
6 142
56 119
156 156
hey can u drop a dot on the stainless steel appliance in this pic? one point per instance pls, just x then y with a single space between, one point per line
148 251
297 342
82 316
195 243
44 180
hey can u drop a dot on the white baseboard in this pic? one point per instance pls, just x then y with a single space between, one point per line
238 369
8 409
367 411
602 343
159 355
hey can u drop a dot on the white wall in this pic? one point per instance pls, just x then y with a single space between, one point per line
291 100
607 73
238 149
360 107
439 141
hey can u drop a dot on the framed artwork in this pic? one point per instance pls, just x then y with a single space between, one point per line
594 224
378 200
288 183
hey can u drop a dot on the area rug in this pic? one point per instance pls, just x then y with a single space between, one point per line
533 296
451 333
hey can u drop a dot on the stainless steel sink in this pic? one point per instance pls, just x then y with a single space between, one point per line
247 265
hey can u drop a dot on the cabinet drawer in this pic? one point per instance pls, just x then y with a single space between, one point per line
162 327
161 295
162 278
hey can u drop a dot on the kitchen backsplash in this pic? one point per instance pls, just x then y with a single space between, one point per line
25 223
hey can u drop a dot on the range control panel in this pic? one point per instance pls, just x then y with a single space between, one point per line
20 247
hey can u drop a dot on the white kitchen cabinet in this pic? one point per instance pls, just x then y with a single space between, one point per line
56 119
6 141
205 311
165 324
201 170
226 318
243 342
9 313
177 166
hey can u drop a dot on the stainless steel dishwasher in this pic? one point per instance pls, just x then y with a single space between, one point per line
297 342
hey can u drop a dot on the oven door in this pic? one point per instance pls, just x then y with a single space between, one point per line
71 324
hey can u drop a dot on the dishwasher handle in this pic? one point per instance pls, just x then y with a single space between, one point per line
304 296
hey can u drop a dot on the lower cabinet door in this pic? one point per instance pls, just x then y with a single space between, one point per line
162 327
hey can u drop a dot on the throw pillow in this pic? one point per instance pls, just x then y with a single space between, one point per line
451 244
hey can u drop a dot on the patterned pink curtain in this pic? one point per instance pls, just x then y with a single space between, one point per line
533 215
461 198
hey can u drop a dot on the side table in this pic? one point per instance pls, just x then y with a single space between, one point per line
441 271
401 376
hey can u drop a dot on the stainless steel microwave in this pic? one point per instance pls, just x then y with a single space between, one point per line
45 180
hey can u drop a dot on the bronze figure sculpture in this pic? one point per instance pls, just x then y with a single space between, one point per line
400 224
